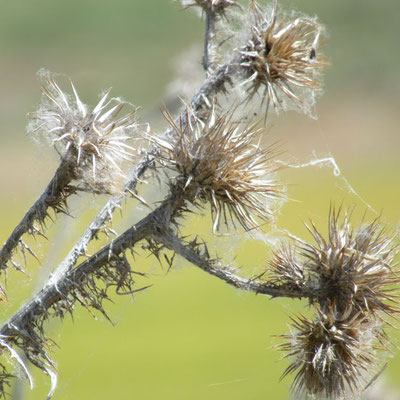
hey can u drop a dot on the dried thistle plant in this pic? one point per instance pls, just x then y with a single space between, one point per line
210 156
92 146
221 162
358 283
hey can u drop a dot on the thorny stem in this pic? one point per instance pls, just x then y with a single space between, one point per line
98 222
155 222
228 275
54 196
214 84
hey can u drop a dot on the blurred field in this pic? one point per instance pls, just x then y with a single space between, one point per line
190 336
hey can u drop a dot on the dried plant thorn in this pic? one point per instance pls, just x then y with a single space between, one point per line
16 265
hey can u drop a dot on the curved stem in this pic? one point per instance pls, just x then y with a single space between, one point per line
228 275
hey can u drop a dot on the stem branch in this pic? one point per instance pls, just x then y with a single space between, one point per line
228 275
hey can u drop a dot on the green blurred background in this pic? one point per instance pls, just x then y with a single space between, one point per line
191 336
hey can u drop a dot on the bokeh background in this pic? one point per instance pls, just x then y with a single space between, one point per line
191 336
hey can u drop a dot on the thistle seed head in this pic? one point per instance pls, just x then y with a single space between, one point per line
94 140
220 162
355 270
282 58
332 358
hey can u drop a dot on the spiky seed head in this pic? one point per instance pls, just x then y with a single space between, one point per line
94 140
353 269
331 358
282 59
220 161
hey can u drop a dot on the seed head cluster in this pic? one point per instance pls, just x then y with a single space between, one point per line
282 58
95 141
355 274
220 162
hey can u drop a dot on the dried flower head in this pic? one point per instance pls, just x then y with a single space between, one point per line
282 59
95 141
220 161
355 270
332 358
